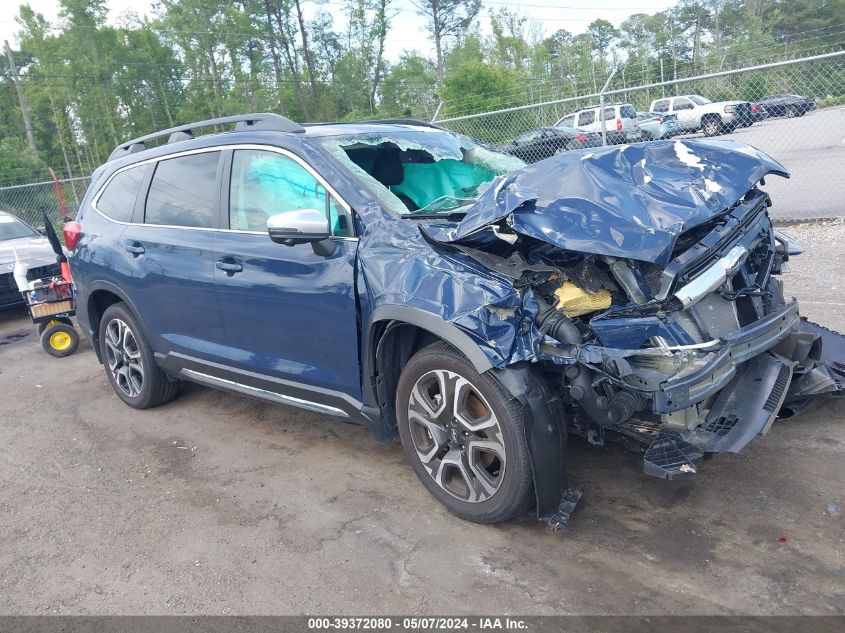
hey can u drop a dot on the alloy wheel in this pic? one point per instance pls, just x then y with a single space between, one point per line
123 358
456 436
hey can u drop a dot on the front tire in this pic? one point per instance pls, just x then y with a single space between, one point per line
464 436
128 358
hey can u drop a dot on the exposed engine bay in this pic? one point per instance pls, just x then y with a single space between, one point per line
643 280
696 356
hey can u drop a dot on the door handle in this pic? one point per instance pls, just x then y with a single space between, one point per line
229 268
136 248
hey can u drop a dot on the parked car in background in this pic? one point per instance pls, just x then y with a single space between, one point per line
541 143
695 112
620 122
17 238
788 105
656 125
755 115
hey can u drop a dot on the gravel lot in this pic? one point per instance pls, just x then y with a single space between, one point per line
219 504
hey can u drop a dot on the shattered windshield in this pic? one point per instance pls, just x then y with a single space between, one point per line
421 171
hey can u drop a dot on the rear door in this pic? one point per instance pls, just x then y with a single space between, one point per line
167 256
289 312
684 109
587 121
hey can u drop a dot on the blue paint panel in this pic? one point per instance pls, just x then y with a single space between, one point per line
630 202
173 288
290 313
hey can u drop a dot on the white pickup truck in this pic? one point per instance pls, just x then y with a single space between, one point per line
695 112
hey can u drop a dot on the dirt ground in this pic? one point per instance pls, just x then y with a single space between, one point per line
219 504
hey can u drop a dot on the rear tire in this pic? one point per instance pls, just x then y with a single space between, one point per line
128 358
791 111
463 436
711 126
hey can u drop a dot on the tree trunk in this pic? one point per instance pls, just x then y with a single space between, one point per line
382 34
290 58
164 100
438 45
306 52
218 106
274 54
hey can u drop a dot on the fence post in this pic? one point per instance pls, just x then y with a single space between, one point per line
601 105
437 112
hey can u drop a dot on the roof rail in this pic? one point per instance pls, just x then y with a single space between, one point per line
244 122
405 122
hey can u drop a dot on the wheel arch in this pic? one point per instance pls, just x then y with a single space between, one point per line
101 296
395 334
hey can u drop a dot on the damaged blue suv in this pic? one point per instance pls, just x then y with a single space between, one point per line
405 277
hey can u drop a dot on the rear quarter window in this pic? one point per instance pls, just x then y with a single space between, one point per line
117 200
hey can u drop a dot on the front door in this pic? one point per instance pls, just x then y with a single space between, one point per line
289 312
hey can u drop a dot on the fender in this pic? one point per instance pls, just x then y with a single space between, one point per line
545 422
83 313
382 427
431 323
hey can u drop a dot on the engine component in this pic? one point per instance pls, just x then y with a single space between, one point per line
604 410
573 301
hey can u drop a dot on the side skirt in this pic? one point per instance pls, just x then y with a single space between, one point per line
268 388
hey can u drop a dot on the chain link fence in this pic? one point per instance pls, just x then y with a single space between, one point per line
802 125
804 129
30 201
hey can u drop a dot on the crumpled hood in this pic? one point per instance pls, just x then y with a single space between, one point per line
630 201
33 251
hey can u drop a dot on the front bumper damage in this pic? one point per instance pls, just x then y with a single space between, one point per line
640 286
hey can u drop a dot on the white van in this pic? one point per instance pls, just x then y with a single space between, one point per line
620 122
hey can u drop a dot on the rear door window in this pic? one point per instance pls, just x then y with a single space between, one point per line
661 106
586 118
609 114
266 183
567 121
627 112
183 191
682 103
117 200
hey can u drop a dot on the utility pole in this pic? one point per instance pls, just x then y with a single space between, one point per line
13 73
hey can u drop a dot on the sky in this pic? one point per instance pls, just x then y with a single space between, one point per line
408 30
